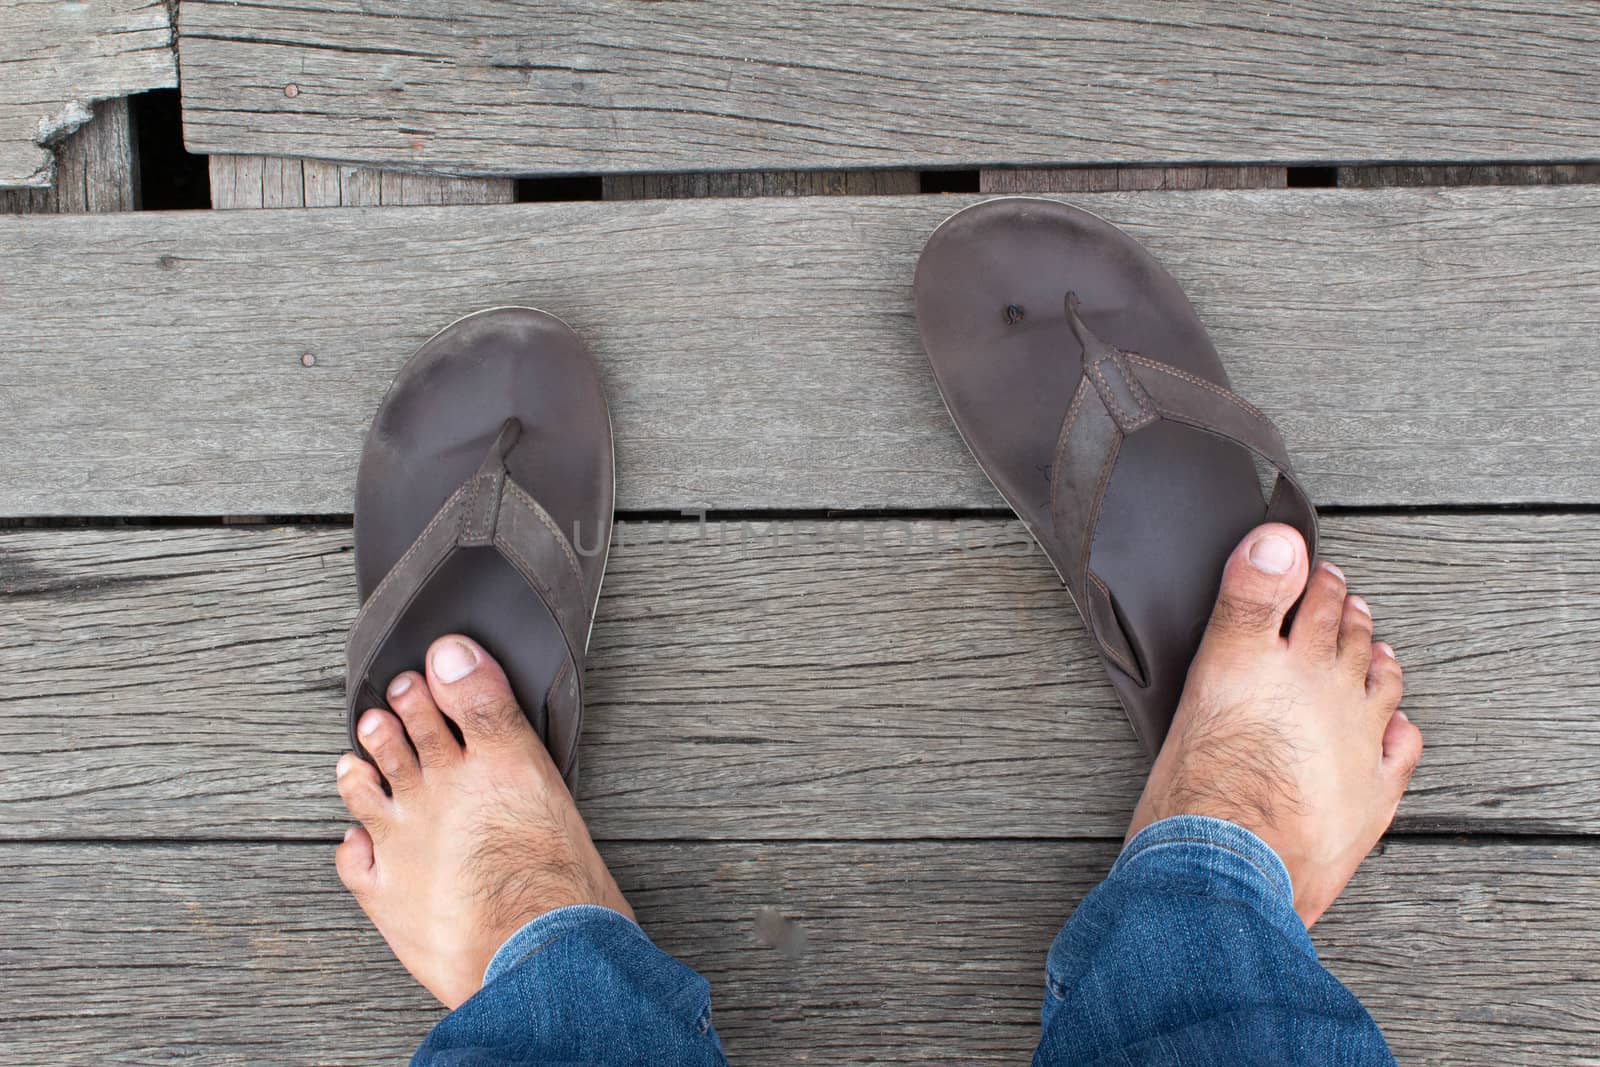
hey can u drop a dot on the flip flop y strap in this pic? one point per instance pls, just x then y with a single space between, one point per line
489 510
1120 394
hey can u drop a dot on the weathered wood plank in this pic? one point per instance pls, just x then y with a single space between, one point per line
269 181
1415 346
761 183
59 59
898 953
96 169
1473 174
1113 179
788 680
525 87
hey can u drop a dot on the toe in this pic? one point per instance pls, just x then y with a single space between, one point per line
471 688
1402 749
1316 623
354 859
1385 679
362 792
1262 579
435 745
1355 636
385 741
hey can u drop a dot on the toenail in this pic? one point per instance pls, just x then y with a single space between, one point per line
1383 646
1402 716
399 686
1272 554
1331 569
1361 606
454 661
369 724
348 832
345 765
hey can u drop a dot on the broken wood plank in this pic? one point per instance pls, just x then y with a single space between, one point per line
1014 180
761 183
1416 347
888 952
267 181
510 88
97 169
60 59
776 680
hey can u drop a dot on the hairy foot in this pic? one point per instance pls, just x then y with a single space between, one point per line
1298 739
478 837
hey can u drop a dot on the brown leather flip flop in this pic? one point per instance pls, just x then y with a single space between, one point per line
1085 386
483 507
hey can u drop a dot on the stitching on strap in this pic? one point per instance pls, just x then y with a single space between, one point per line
1093 523
529 572
1134 388
443 512
1116 657
467 528
1221 431
1062 438
549 524
1108 395
561 675
1167 368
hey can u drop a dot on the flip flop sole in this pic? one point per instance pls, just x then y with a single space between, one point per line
437 420
990 309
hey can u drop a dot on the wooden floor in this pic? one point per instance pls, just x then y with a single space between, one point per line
847 748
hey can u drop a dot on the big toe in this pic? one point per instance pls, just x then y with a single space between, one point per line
471 688
1261 581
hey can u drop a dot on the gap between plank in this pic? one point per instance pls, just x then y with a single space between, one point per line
339 520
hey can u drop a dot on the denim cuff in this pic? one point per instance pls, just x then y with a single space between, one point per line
546 928
1229 861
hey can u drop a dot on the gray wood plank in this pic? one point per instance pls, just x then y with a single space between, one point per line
1468 174
788 680
761 183
59 59
96 169
1415 346
1113 179
897 953
270 181
525 87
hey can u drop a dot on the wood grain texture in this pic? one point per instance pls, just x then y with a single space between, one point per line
892 952
270 181
59 59
761 183
1125 179
96 169
536 87
1479 174
792 680
1416 347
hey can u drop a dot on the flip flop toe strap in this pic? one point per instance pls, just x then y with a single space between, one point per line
488 510
1121 393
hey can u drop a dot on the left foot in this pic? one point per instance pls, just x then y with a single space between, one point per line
478 837
1298 739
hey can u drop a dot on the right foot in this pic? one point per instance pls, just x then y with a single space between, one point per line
1298 739
475 838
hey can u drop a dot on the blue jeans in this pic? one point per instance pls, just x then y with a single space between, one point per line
1188 953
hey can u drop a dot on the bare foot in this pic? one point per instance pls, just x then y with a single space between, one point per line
477 839
1298 739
